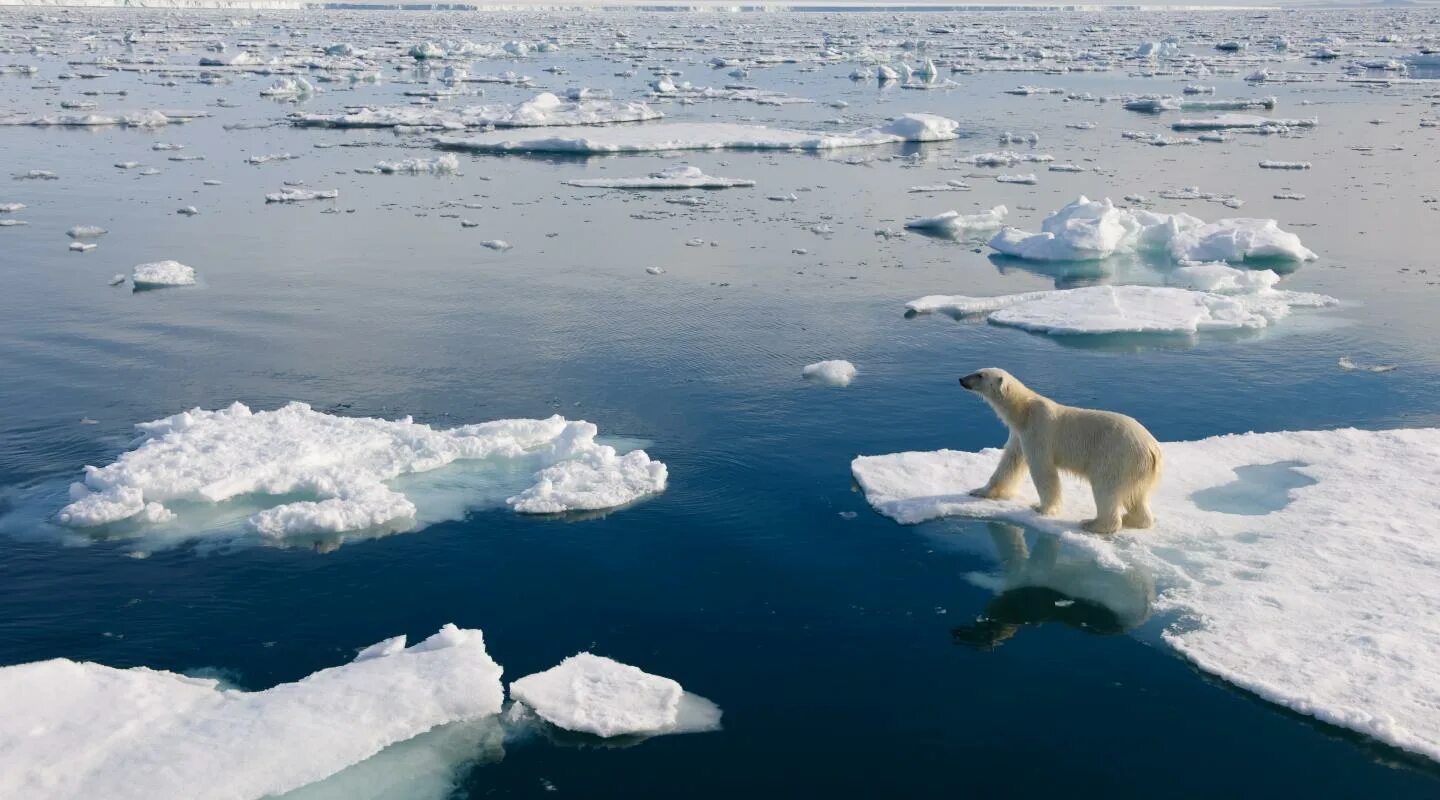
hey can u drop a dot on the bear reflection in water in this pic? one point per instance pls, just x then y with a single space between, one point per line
1053 582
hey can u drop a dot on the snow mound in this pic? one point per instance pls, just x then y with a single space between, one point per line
830 373
162 273
543 110
1300 564
79 730
683 177
593 694
1091 230
710 136
209 457
954 225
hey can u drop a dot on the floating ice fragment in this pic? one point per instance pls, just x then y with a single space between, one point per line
1326 604
1350 366
447 164
1284 164
544 110
830 373
86 232
497 244
76 729
162 273
710 136
593 694
294 195
214 456
958 226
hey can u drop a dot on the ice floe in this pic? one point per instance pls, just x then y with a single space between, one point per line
443 165
1298 565
294 195
198 458
592 694
1207 297
709 136
682 177
1088 230
162 273
80 730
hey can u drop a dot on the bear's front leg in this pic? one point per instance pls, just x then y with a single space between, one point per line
1047 483
1006 480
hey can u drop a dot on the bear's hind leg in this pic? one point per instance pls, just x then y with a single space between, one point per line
1107 511
1138 515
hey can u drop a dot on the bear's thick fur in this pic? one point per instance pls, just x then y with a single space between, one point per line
1119 458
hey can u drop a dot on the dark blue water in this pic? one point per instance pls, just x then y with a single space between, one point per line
844 649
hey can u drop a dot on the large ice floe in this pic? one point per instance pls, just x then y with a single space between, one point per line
1090 230
83 730
1298 565
682 177
543 110
592 694
708 136
340 466
1202 297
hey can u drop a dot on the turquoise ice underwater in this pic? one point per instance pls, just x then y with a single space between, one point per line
1278 624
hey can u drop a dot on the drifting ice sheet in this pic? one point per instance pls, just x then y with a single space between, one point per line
1220 298
1091 230
593 694
710 136
82 730
1302 564
212 456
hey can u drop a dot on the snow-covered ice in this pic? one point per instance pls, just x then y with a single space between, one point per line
447 164
82 730
201 457
709 136
592 694
1298 565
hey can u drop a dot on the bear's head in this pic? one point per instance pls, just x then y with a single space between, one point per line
990 382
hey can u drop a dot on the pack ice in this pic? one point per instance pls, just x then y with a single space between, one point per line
1090 230
1203 297
83 730
1298 565
209 457
709 136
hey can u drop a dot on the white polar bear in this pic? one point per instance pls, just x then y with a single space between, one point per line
1119 458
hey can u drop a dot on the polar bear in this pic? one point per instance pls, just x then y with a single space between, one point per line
1119 458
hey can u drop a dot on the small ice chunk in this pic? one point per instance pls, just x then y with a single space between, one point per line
497 244
1347 364
682 177
593 694
1268 164
86 232
447 164
295 195
162 273
82 247
836 372
958 226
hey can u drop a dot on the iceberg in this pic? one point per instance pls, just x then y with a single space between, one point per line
210 457
709 136
81 730
1297 565
1091 230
